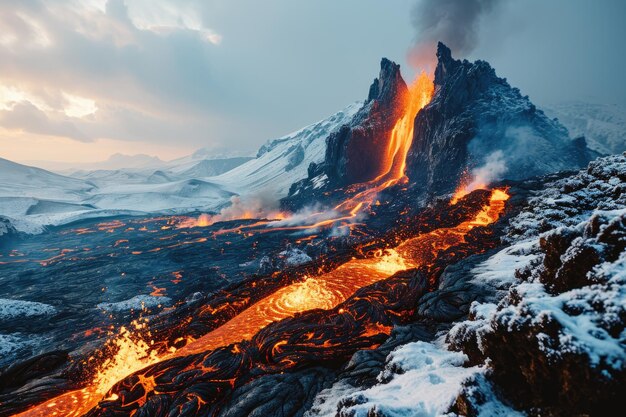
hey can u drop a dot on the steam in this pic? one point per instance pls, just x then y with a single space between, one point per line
493 169
246 207
313 217
249 207
453 22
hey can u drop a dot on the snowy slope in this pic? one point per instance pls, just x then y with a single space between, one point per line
603 125
115 161
32 198
281 162
18 180
186 194
180 169
205 167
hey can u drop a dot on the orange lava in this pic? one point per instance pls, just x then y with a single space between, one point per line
325 292
420 92
132 354
465 189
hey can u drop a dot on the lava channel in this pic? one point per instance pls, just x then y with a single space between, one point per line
325 292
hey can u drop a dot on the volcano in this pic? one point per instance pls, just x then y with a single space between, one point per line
449 251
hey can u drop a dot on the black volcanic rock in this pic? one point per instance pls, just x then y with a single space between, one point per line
476 116
353 151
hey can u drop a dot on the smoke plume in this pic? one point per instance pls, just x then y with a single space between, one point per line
493 169
453 22
255 206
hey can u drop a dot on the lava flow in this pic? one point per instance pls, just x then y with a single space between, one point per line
330 289
392 172
321 292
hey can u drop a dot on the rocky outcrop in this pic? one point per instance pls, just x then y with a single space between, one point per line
473 115
545 335
474 120
353 151
555 344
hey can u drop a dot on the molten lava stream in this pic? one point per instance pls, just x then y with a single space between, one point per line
325 291
420 92
328 290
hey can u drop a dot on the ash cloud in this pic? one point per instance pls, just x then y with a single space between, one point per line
453 22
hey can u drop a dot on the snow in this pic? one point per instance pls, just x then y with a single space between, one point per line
16 344
496 271
275 169
22 181
6 227
32 198
419 379
137 303
579 333
294 257
319 181
585 321
489 405
572 200
602 125
12 309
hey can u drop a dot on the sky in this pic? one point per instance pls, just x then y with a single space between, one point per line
81 80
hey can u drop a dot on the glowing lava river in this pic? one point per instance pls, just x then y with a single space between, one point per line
176 351
319 316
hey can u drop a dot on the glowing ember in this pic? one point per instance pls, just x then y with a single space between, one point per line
132 353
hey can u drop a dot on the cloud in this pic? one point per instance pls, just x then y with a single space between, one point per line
27 117
109 69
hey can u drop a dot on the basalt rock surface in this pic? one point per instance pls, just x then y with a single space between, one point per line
475 115
474 120
353 151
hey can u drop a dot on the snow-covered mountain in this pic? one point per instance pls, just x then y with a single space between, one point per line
176 170
283 161
18 180
32 197
603 125
115 161
175 196
475 120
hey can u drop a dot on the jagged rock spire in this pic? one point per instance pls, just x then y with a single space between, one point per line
389 84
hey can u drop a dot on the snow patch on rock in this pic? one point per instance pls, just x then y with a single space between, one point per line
419 379
11 309
137 303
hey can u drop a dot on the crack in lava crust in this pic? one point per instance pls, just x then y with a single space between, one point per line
325 318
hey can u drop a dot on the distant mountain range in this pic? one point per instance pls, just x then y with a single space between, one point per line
32 198
602 125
